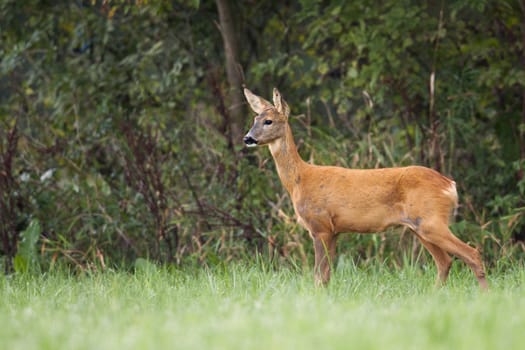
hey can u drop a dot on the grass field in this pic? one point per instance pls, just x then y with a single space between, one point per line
258 307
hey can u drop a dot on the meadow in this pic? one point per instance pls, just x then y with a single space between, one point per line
258 306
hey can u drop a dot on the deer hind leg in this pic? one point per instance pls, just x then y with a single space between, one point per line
441 258
441 236
324 246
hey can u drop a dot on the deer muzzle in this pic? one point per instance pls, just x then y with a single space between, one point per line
250 141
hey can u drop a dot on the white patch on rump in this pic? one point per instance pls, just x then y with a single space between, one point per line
451 191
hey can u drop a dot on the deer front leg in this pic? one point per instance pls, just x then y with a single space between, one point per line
324 246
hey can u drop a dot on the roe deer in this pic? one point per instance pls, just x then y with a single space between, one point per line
329 200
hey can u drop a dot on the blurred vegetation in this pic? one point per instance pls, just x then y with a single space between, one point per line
119 126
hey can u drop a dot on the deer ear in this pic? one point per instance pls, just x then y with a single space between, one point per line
280 104
258 104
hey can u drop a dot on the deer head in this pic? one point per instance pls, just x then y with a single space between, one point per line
270 121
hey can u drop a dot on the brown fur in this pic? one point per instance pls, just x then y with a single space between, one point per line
330 200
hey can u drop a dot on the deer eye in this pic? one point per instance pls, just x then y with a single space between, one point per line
267 122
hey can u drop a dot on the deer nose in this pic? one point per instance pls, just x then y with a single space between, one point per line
250 141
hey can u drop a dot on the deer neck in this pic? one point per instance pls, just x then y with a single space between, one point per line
287 160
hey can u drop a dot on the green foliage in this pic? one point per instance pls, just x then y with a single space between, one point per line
114 125
26 259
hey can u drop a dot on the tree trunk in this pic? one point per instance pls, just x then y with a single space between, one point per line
9 200
233 70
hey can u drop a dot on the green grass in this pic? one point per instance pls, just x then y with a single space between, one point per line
258 307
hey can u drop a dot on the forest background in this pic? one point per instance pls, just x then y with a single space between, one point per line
121 123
